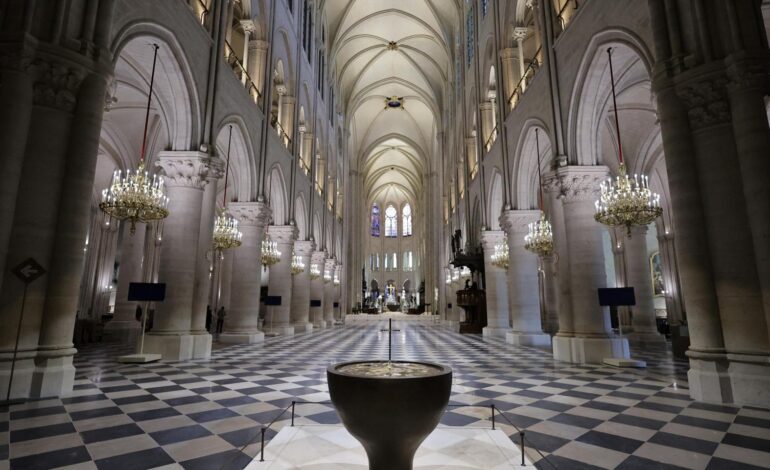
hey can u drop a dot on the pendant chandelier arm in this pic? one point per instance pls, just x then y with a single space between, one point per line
615 105
227 167
149 102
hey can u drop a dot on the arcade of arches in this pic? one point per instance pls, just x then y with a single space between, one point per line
359 137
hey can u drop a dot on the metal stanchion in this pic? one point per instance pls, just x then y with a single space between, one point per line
262 450
521 434
292 412
493 415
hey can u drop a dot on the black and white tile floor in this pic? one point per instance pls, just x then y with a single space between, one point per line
208 414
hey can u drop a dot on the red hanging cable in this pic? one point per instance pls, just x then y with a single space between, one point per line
227 167
539 174
615 105
149 101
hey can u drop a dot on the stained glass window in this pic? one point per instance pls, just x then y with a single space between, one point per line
375 220
406 223
391 225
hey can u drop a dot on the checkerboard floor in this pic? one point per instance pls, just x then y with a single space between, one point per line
207 414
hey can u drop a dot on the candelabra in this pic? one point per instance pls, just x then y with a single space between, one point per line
297 265
270 253
315 273
500 255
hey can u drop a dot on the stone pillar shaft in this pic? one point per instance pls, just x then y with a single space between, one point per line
280 282
242 317
498 322
123 325
300 293
317 290
638 277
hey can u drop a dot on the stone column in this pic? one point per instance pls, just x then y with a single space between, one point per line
592 340
185 179
279 284
248 30
15 115
520 34
287 118
300 291
317 290
123 327
508 61
670 278
307 149
747 90
257 57
471 152
242 317
329 292
549 278
202 338
54 372
523 282
498 323
487 122
638 277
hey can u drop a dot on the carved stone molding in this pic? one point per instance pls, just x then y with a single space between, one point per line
517 221
186 169
16 59
318 258
580 183
706 101
304 248
490 238
748 75
282 234
56 84
251 213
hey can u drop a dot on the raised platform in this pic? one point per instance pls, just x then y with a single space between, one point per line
331 447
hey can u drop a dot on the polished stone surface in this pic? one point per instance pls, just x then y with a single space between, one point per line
204 414
330 447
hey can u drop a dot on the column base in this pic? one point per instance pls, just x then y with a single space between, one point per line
708 377
281 330
303 327
647 337
125 332
22 377
453 325
498 332
750 377
321 325
180 347
528 339
582 350
242 338
54 373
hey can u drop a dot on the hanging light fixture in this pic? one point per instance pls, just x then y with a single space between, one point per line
297 265
270 253
500 256
327 276
626 201
336 280
137 197
315 273
539 240
226 233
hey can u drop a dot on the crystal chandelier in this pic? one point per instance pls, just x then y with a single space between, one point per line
270 253
137 197
627 201
448 277
327 276
297 265
465 272
500 256
336 278
226 233
315 273
455 274
539 239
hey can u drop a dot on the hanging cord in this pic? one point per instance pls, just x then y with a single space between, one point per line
149 101
539 173
227 167
615 105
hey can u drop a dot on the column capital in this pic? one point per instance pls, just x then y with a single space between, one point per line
747 73
580 183
185 168
317 258
304 247
329 263
706 101
248 26
282 234
491 238
517 221
56 81
520 32
281 89
251 213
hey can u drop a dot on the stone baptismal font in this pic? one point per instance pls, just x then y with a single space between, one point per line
390 406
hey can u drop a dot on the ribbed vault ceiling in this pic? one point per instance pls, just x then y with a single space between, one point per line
394 48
